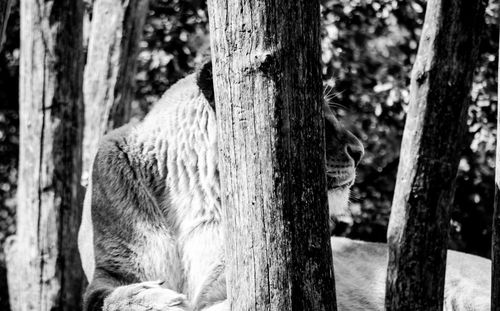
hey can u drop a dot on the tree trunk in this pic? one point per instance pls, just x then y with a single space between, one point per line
495 238
430 152
5 6
116 29
268 90
44 270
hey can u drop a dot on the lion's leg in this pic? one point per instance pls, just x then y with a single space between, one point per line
147 296
132 242
104 294
202 256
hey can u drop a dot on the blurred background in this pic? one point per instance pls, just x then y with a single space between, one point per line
369 47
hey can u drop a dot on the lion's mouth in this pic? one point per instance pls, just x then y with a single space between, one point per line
339 184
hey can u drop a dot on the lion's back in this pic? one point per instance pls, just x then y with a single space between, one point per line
137 170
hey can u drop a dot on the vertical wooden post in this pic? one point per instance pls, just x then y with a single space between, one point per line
108 88
495 238
44 270
267 83
431 147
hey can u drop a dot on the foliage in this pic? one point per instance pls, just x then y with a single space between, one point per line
175 42
368 51
473 207
9 72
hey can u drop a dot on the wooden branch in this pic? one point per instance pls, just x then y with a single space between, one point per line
5 6
267 79
108 88
430 152
44 270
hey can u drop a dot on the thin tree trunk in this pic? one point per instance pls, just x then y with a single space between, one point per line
5 6
431 148
495 239
116 29
44 270
267 82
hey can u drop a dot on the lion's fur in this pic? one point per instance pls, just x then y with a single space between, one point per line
152 212
154 218
361 269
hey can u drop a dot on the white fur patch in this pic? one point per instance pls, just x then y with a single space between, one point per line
338 204
159 254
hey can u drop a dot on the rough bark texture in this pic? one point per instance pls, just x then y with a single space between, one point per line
44 270
495 238
115 30
431 147
272 160
5 6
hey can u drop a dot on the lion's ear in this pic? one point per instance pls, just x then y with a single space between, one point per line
205 82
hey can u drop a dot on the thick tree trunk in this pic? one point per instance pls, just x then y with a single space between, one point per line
113 44
432 143
495 238
5 6
44 270
268 90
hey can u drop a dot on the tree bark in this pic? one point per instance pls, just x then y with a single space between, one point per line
430 152
5 6
113 45
44 270
495 238
268 90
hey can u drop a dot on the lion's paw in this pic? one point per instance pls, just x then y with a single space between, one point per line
146 296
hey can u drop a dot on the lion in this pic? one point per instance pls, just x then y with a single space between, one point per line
151 237
361 270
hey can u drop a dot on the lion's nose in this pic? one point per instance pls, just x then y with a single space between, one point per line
355 150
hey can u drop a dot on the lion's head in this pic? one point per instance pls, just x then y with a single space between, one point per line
343 153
